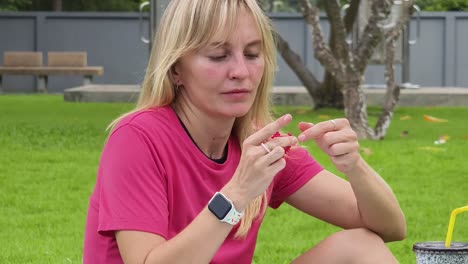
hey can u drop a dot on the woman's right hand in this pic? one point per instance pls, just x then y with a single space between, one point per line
257 167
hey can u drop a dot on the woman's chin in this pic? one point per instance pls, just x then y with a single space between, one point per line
238 111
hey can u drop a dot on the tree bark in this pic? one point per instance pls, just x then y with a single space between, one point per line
295 63
370 37
322 51
330 94
341 66
391 96
355 105
272 5
57 5
351 15
393 91
339 32
327 93
346 67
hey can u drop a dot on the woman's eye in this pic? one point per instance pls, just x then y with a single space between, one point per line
252 56
217 58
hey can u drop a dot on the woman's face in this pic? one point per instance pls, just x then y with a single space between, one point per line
222 80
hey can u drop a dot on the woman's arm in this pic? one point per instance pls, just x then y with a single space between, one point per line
197 243
200 240
378 206
365 201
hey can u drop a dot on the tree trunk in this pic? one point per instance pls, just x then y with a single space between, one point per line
393 91
294 62
345 68
272 6
391 96
57 5
329 94
355 106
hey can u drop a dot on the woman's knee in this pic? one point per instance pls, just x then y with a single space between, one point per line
349 246
355 238
360 246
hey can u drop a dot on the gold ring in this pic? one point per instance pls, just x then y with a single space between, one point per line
265 147
334 124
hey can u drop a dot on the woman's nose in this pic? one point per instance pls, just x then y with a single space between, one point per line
239 68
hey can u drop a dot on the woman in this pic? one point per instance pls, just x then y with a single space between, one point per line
186 176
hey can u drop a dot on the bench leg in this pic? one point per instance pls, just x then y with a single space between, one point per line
1 83
88 79
42 83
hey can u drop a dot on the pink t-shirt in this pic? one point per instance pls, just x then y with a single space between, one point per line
153 178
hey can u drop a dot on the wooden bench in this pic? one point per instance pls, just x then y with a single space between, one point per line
58 63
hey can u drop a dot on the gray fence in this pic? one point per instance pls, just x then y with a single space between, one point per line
440 58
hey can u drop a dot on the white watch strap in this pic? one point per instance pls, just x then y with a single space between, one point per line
233 216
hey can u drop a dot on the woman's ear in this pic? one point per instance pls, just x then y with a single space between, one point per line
174 74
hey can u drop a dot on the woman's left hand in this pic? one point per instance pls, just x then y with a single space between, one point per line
336 138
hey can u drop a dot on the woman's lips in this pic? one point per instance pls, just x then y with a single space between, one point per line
237 94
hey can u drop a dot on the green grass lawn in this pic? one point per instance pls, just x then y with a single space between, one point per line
49 152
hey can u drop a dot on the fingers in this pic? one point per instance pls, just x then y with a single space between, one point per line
286 141
304 126
265 133
346 135
272 150
273 156
340 149
277 166
310 131
280 144
336 138
266 147
345 163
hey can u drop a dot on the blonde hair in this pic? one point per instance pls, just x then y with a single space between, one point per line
187 26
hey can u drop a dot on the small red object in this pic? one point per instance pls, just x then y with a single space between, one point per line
277 134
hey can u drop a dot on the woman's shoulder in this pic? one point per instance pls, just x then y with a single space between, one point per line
149 120
149 127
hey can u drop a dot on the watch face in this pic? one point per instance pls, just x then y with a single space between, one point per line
219 206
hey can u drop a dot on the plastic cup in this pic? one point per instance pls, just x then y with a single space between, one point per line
435 252
443 252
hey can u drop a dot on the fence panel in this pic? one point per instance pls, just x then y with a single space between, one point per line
112 40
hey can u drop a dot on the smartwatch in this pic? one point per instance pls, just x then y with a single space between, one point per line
224 209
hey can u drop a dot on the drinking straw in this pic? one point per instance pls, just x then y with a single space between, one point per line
453 215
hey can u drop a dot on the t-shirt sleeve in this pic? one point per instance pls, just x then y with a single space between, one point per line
300 168
133 186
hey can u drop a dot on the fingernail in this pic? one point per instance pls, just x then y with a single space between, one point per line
301 137
287 117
